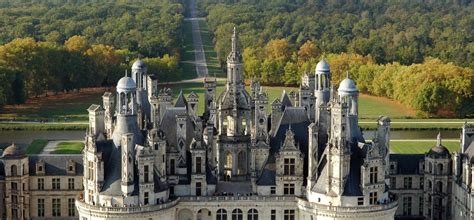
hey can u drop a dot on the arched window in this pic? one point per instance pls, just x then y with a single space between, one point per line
252 214
439 187
429 184
221 214
14 170
237 214
430 167
440 168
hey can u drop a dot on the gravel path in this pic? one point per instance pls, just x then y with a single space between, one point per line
199 55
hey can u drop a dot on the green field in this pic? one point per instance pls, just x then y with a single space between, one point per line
36 146
187 54
68 147
211 56
420 147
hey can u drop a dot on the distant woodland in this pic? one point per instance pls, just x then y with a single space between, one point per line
417 52
54 46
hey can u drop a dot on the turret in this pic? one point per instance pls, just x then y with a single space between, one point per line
322 84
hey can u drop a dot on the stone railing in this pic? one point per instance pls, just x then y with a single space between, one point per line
339 209
131 209
237 198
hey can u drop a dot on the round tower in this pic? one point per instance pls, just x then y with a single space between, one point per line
322 79
139 70
349 94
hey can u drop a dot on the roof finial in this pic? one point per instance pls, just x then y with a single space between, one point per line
438 141
126 72
234 40
347 74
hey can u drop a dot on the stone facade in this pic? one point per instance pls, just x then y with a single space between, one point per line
149 158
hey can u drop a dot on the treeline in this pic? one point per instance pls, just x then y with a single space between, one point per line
31 68
403 31
431 87
149 27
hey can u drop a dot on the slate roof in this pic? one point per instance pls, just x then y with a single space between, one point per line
56 165
352 187
168 125
285 100
407 163
181 101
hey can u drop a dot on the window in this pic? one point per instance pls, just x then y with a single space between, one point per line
198 164
145 198
373 172
15 213
393 182
440 169
252 214
90 195
373 198
56 183
40 184
422 182
145 173
14 170
14 186
221 214
289 214
90 170
56 207
14 199
407 205
40 207
70 183
289 189
439 187
237 214
360 201
172 167
289 166
273 214
198 188
420 206
407 182
71 207
272 190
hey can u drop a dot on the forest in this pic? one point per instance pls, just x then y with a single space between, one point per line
416 52
57 46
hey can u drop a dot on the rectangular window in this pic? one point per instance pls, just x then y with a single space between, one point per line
289 166
407 183
273 214
145 198
360 201
90 195
90 170
393 182
407 205
14 186
373 172
198 188
289 189
198 164
145 173
71 207
40 207
70 183
56 204
15 213
56 183
172 167
14 199
373 198
40 184
420 206
289 214
272 190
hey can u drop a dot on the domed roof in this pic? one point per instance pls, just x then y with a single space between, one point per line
139 65
13 151
126 84
322 66
439 149
347 86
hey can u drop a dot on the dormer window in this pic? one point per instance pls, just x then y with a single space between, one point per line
71 168
40 167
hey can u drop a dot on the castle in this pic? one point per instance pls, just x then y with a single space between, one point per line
146 157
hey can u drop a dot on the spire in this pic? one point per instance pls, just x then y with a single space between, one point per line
234 40
347 74
438 139
126 72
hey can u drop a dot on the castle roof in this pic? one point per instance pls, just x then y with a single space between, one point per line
13 151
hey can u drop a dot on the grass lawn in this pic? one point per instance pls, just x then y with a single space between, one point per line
36 146
69 148
187 54
420 147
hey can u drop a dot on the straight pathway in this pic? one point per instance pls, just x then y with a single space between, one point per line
199 55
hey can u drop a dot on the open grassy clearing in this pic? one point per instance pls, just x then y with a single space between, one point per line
420 147
68 147
36 146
